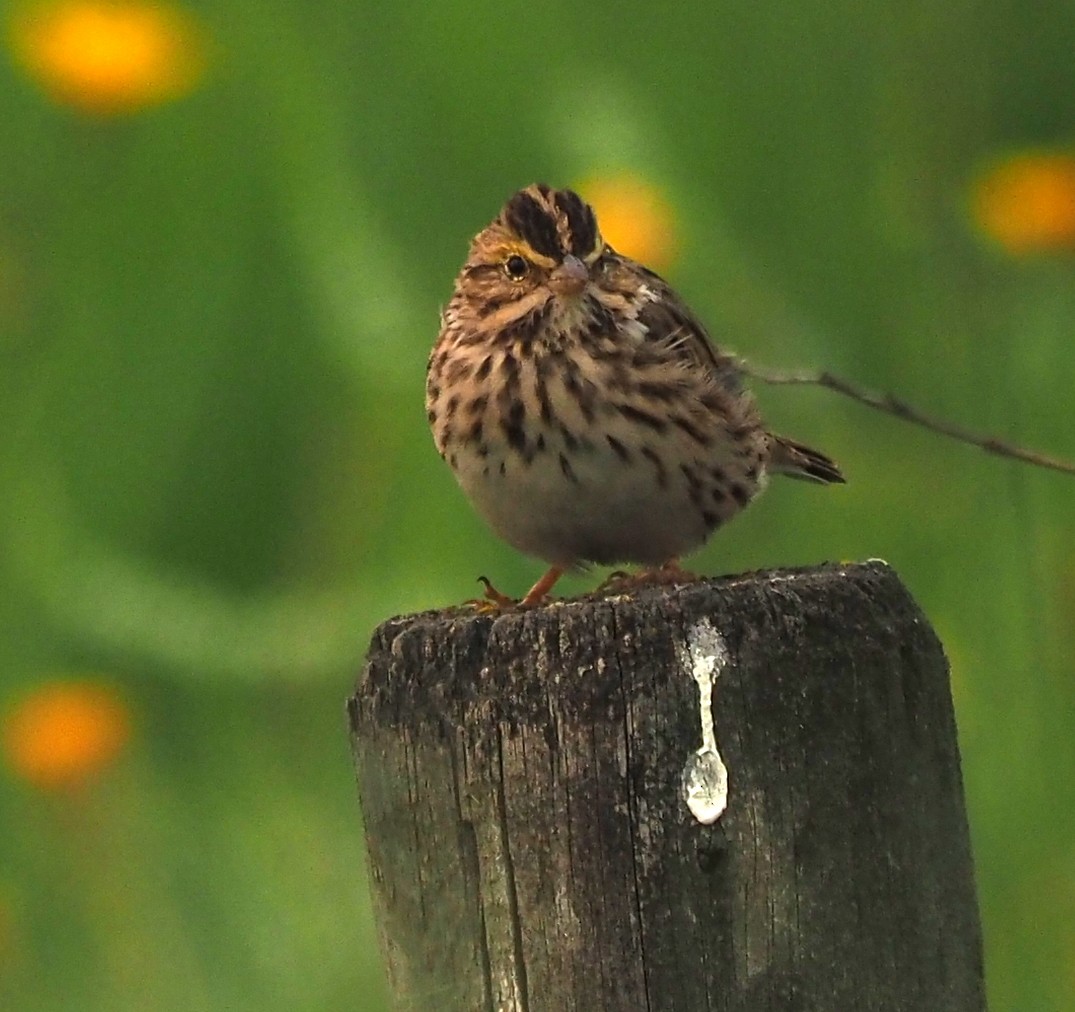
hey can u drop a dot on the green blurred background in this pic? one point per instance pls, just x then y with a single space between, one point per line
216 478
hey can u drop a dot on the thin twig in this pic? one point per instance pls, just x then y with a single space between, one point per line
901 409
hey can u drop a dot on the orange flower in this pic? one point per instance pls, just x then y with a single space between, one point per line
107 58
1026 203
63 733
634 217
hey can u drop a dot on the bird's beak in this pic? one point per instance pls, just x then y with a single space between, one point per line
571 277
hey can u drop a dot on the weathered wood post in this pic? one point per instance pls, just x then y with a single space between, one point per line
531 849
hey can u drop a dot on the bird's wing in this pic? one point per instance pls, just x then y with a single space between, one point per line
673 327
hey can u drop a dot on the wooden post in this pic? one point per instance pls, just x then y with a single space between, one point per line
531 850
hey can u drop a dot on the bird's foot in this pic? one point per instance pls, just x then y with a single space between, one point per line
616 582
667 575
493 602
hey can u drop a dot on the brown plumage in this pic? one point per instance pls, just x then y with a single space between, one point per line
582 406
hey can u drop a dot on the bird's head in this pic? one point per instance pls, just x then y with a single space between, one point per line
543 246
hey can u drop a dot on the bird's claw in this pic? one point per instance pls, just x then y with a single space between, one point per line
669 574
491 601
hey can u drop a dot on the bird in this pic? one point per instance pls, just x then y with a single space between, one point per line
582 406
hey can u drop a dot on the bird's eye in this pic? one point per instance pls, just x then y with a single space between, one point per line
516 267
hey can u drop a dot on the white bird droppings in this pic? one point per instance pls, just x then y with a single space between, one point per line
705 777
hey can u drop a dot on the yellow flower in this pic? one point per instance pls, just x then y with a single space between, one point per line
634 217
63 733
1026 203
108 58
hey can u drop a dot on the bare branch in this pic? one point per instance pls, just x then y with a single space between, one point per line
901 409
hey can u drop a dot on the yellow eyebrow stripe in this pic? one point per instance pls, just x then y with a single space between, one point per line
524 250
596 253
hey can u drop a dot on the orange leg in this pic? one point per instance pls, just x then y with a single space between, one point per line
492 600
537 593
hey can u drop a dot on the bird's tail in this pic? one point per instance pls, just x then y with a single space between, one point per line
798 461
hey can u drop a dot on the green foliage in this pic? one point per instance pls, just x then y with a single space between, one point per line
215 475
